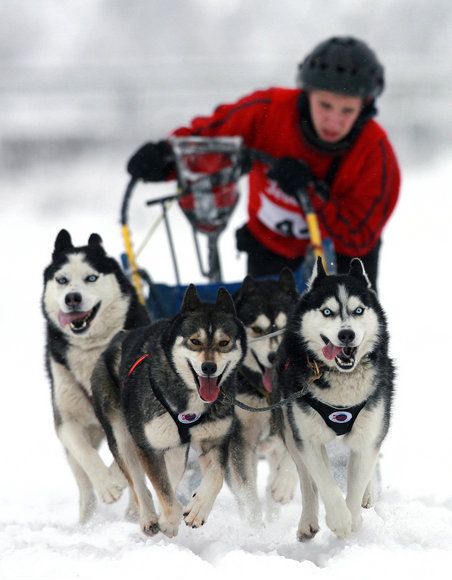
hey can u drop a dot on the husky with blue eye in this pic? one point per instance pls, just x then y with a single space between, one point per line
336 348
87 299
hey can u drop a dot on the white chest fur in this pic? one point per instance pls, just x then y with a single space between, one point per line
210 430
162 432
82 362
70 399
346 389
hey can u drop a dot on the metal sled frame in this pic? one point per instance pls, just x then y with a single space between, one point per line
164 300
201 186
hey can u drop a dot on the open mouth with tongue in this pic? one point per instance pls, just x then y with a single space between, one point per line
208 386
267 380
77 320
343 356
266 373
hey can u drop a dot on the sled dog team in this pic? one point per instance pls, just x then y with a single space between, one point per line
157 389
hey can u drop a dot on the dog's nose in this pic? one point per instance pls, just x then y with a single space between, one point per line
73 299
271 357
346 335
209 368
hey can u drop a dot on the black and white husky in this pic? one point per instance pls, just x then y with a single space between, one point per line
158 389
86 301
336 348
264 307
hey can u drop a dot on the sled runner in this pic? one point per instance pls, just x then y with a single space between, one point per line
207 173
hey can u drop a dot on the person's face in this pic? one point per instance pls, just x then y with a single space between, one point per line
333 114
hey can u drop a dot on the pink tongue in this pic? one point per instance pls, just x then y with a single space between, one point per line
267 380
330 351
208 389
68 317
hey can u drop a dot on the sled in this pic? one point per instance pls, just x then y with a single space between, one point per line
207 174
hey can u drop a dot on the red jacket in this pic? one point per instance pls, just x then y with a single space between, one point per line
363 193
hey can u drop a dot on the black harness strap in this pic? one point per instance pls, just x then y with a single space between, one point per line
339 419
183 428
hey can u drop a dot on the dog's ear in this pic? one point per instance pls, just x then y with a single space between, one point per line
248 285
95 243
318 272
94 240
287 282
225 302
63 242
191 299
357 270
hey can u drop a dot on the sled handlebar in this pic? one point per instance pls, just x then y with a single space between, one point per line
209 182
304 202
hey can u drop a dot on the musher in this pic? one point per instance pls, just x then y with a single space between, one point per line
325 141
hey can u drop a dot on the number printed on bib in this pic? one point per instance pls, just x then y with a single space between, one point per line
281 220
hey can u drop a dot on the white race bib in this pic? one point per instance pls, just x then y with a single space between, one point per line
281 220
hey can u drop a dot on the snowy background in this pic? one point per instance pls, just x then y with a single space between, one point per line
83 83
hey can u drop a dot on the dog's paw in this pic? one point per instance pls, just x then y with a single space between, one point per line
339 520
368 498
108 488
150 525
306 532
148 518
197 511
169 529
169 526
283 488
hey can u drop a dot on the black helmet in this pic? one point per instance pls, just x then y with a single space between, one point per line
342 65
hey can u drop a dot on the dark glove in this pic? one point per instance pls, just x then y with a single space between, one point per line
245 162
290 174
152 162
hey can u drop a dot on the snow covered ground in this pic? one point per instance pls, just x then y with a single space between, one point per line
410 530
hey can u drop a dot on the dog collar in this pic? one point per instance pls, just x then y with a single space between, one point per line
339 419
317 368
314 366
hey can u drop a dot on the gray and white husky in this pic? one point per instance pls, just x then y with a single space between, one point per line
336 347
264 307
159 389
86 300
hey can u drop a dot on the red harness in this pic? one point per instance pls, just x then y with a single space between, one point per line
138 362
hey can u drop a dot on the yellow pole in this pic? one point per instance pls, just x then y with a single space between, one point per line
313 228
136 278
314 234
